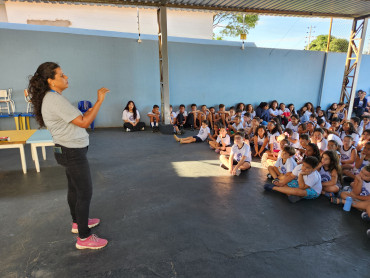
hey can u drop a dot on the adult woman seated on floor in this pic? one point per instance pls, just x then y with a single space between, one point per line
131 118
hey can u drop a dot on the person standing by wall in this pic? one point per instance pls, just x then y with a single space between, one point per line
68 128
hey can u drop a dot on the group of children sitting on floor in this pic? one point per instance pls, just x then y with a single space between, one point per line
306 153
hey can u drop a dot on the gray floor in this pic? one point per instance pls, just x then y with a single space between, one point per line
169 210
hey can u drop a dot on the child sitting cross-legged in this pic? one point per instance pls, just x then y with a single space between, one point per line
222 141
240 156
285 164
260 141
307 184
204 132
154 118
235 126
359 191
330 172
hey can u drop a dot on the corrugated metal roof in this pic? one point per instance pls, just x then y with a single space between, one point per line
312 8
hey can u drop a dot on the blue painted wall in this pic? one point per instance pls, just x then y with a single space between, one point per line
200 73
334 76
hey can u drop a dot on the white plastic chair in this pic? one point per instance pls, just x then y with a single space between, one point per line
6 98
27 98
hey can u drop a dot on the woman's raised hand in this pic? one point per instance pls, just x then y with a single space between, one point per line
101 93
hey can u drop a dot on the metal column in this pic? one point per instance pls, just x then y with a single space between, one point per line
163 64
353 61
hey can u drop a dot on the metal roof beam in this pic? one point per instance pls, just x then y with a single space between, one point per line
164 3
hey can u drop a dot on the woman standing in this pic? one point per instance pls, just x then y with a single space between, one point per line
67 126
131 118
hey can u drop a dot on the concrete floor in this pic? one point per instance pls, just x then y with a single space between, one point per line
169 210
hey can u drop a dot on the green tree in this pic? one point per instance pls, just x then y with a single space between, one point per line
232 24
336 45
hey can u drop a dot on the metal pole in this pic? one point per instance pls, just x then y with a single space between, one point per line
357 71
163 65
329 36
323 72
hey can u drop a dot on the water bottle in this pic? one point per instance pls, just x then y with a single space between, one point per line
347 205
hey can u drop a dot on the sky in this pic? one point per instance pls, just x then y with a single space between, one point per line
291 32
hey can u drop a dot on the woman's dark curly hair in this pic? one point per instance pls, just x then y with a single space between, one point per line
39 86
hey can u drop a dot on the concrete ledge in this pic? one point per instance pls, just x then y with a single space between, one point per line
166 129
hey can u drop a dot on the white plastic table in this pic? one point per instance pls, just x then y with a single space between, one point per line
41 138
17 140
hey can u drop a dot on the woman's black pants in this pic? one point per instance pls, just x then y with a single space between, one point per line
138 126
79 184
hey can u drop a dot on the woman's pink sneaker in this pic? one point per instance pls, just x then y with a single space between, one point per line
92 242
93 222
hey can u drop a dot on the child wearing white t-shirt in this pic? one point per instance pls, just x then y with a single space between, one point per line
319 140
204 132
307 184
235 126
240 156
154 118
285 164
222 141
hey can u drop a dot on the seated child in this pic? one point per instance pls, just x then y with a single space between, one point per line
365 123
255 124
301 149
362 159
302 129
180 120
356 124
247 122
330 135
335 126
284 114
313 119
231 116
365 137
240 156
293 124
222 141
330 172
359 191
235 126
204 114
334 146
267 160
285 164
212 116
348 153
260 141
307 184
154 118
274 146
311 150
192 120
204 132
172 116
221 115
293 137
319 140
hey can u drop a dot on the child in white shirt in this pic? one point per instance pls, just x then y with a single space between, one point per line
307 184
240 156
285 164
154 117
204 132
222 141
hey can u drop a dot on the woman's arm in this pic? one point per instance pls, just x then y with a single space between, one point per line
85 120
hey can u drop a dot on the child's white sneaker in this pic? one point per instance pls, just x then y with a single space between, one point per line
238 172
128 130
